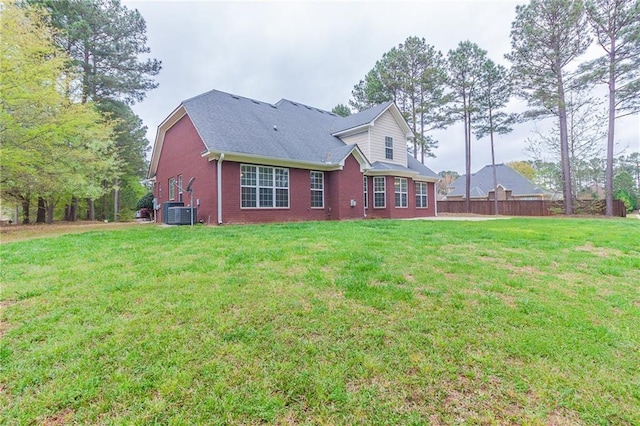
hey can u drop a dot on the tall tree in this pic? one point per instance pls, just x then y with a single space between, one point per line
616 24
106 42
546 37
50 145
493 95
465 68
585 133
413 75
423 86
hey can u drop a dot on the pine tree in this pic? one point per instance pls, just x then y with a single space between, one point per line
546 37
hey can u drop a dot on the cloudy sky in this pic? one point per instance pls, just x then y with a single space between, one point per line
315 52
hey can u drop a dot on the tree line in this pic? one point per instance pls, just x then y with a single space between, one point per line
548 39
70 142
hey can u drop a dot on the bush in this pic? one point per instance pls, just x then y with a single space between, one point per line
626 199
146 202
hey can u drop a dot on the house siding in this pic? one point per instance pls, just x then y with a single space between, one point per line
180 155
386 125
360 139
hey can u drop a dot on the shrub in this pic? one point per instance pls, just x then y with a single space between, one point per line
146 202
626 199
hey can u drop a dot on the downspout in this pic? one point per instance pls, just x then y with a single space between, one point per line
435 198
219 170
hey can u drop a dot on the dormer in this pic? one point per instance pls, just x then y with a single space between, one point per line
380 132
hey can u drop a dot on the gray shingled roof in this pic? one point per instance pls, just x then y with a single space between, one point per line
230 123
482 182
422 170
359 119
413 167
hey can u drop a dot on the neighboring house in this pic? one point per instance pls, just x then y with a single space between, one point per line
511 186
258 162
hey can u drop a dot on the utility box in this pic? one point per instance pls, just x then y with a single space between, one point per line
165 209
181 215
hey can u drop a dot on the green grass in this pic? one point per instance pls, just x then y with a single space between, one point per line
527 321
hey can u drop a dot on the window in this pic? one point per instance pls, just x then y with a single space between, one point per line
172 188
317 189
365 190
264 187
379 192
179 185
388 147
421 195
401 192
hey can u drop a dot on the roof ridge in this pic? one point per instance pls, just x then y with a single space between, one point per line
296 103
229 94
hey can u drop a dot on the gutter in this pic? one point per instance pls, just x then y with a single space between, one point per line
219 170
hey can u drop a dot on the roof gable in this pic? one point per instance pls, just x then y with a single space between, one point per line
354 123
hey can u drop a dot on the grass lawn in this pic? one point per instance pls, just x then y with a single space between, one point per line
527 321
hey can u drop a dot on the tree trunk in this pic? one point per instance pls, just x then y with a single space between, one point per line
105 202
73 210
495 175
116 201
42 211
467 155
91 209
67 209
608 185
564 149
25 210
50 207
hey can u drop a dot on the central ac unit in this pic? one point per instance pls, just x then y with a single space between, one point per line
180 215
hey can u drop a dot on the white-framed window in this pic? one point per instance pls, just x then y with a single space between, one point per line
172 188
365 191
422 199
388 147
317 189
402 194
264 187
179 185
379 192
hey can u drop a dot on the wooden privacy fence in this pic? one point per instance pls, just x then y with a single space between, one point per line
530 207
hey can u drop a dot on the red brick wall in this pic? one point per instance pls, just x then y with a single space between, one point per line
346 185
181 154
299 199
391 211
340 187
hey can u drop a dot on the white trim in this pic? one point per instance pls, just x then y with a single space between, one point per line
311 172
396 192
274 187
219 195
295 164
379 192
353 130
415 186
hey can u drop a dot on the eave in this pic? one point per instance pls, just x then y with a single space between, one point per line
240 157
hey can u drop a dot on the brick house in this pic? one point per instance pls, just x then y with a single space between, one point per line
258 162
